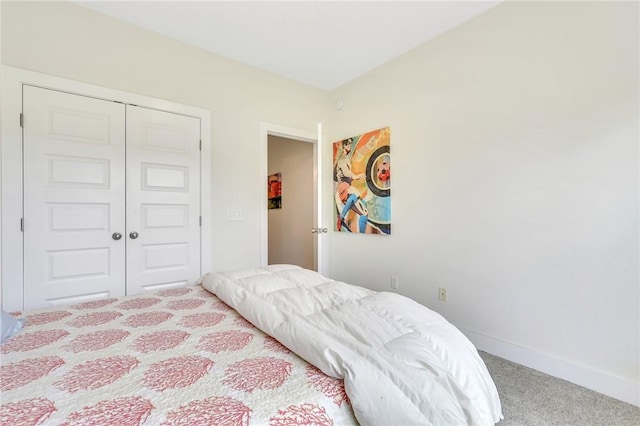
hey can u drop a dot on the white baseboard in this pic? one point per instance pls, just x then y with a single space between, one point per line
600 381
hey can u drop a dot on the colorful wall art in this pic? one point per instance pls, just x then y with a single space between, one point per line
362 183
274 191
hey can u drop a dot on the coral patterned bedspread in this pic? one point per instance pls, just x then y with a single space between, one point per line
172 357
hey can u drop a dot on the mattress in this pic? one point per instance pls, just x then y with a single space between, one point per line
171 357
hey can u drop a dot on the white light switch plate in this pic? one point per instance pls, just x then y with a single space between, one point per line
234 214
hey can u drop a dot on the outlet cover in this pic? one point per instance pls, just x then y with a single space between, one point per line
442 294
394 282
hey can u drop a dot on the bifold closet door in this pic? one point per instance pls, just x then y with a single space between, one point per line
163 199
74 198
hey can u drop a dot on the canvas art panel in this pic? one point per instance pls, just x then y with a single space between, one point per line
274 191
362 183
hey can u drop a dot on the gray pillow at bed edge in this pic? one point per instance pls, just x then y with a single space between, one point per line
10 325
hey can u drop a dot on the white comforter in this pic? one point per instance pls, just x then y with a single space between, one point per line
402 364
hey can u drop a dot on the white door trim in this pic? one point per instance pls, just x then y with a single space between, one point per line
11 245
315 138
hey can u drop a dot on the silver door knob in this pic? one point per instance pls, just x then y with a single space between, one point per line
322 230
314 230
116 236
133 235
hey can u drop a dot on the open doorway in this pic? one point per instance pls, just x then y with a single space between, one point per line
290 215
313 228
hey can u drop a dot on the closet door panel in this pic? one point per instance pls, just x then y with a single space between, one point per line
163 199
74 191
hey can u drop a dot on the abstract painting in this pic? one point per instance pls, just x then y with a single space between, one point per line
362 183
274 191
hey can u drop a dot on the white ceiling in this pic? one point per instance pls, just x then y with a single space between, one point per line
320 43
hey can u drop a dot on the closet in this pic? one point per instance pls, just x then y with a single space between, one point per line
111 198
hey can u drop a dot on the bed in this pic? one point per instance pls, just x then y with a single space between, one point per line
330 354
171 357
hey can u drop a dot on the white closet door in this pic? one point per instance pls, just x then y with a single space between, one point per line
74 154
163 199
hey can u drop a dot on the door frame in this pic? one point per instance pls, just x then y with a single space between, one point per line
270 129
11 203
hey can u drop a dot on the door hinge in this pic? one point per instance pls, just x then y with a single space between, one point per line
200 220
200 144
21 120
22 224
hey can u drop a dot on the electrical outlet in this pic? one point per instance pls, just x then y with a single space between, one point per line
394 282
442 294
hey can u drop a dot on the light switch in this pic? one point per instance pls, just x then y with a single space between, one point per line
234 214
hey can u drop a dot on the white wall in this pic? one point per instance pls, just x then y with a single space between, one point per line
0 143
290 238
66 40
514 142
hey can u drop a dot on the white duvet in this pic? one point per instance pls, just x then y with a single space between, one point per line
402 364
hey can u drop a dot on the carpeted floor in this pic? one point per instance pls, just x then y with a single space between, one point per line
532 398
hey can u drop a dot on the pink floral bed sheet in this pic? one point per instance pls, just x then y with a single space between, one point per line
172 357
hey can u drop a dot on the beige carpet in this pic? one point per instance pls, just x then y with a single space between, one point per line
530 398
